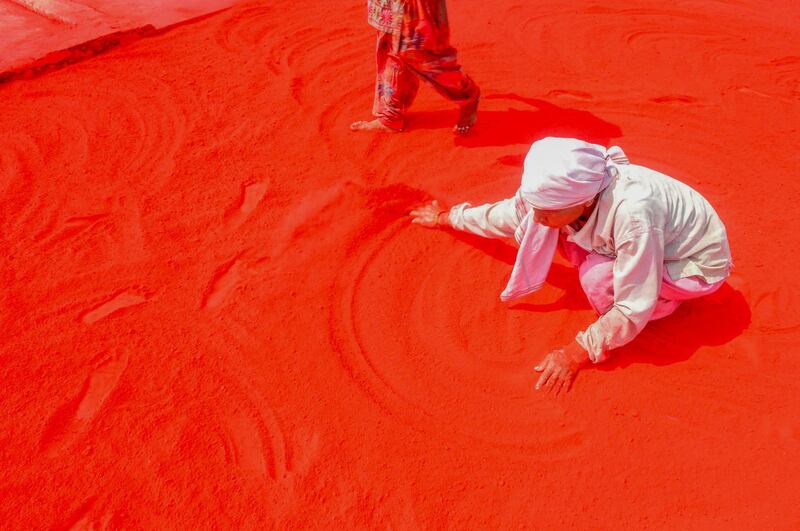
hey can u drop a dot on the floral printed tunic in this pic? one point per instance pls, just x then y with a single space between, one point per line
418 23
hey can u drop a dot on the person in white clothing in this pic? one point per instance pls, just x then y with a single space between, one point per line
643 242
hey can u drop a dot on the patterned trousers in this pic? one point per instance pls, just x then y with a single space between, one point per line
399 70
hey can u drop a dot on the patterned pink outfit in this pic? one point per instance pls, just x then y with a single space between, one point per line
413 43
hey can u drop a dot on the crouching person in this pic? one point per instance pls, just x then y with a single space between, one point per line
642 242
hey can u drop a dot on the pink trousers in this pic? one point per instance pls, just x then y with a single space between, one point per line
596 273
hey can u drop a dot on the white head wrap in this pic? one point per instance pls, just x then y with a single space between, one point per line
559 173
565 172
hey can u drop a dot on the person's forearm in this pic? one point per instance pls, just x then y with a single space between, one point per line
637 273
611 330
492 220
577 353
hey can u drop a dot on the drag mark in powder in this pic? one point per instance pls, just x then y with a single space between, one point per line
115 304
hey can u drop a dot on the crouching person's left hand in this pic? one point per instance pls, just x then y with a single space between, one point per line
559 368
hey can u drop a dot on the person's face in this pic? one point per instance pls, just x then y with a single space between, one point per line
559 218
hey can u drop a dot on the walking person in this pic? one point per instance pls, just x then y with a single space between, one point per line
413 44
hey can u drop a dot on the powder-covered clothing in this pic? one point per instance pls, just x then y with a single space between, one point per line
647 222
413 44
386 15
558 173
416 20
399 73
596 274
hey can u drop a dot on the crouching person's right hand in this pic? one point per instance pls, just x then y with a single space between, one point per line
433 215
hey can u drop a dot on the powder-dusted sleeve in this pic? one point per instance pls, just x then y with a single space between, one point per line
492 220
638 271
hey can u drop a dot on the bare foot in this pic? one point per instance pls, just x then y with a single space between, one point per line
372 125
467 118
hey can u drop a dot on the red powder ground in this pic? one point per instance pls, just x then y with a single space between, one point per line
215 313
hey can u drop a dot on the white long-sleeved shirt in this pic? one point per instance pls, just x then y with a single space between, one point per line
645 220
